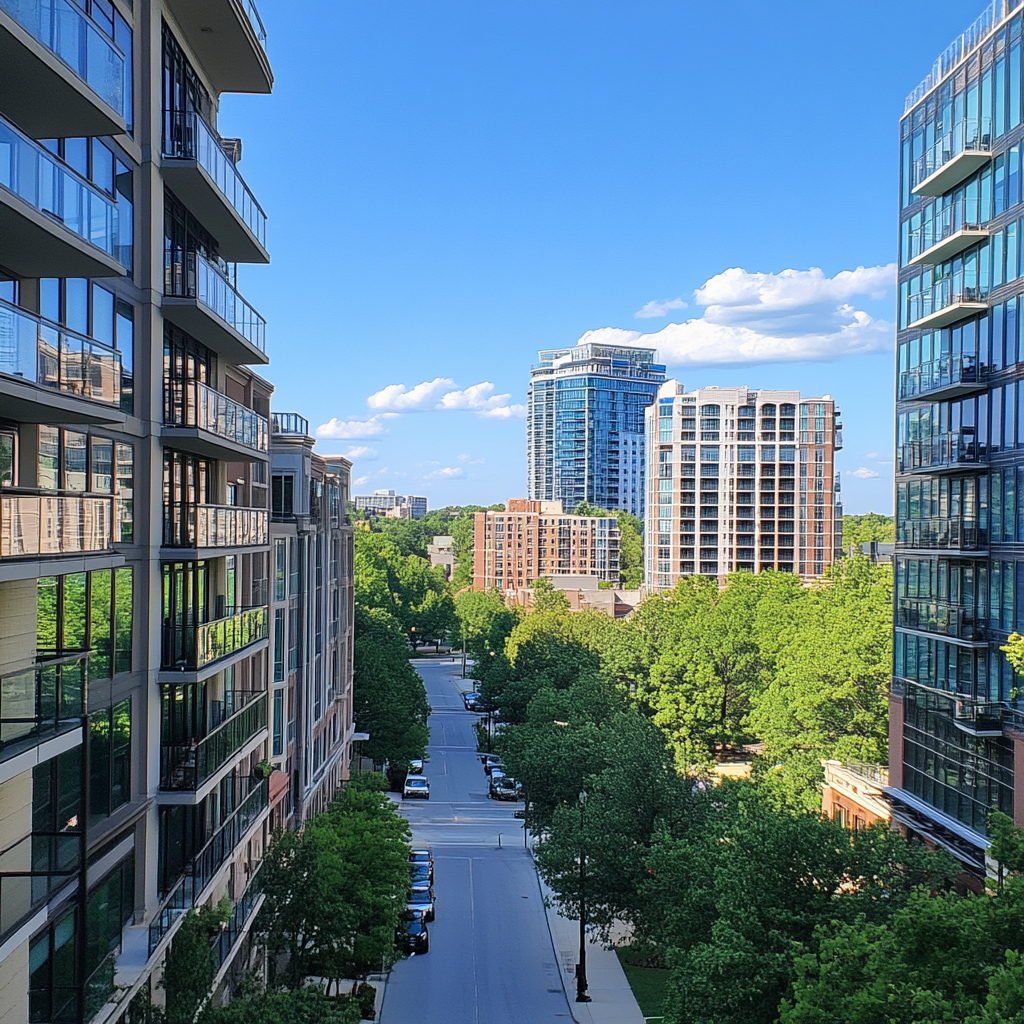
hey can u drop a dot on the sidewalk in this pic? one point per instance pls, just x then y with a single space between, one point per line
612 998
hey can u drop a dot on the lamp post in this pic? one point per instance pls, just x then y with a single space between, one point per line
581 967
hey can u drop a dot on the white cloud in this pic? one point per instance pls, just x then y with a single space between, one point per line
795 315
654 308
360 480
445 473
863 473
399 398
344 430
442 393
361 453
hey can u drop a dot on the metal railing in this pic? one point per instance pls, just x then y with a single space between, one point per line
186 766
63 28
942 617
32 870
944 372
190 403
961 215
33 524
189 275
949 291
973 716
193 647
969 134
228 936
54 357
954 532
942 450
36 176
201 869
188 137
872 772
216 526
289 423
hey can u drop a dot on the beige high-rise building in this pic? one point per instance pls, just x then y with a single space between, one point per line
740 479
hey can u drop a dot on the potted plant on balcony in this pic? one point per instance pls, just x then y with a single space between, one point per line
263 770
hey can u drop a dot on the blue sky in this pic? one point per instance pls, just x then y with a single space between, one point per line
452 186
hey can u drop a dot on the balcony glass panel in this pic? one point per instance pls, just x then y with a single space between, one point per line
188 137
946 372
41 180
289 423
54 357
63 28
949 291
942 617
190 403
228 936
953 449
194 647
198 279
54 524
969 134
256 21
32 870
220 526
41 702
962 215
956 532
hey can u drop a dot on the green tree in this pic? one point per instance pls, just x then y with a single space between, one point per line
475 613
871 526
309 1005
191 965
546 598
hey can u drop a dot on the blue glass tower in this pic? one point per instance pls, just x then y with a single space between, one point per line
585 425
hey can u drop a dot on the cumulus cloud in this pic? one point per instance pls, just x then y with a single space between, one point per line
654 308
399 398
344 430
863 473
442 393
795 315
444 473
361 453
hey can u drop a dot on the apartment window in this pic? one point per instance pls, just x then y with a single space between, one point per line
53 977
293 563
278 645
277 735
280 569
110 731
281 494
111 905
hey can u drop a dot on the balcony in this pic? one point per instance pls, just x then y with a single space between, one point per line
53 223
229 39
945 378
188 648
32 870
55 371
956 155
208 861
241 916
289 423
206 180
205 422
36 525
42 702
953 229
945 304
187 766
944 618
60 75
202 302
978 719
218 527
953 533
943 452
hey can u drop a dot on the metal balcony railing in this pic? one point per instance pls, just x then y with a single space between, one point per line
954 532
32 870
54 357
40 525
970 134
188 137
289 423
941 451
194 647
943 617
36 176
186 766
946 372
190 403
217 526
41 702
225 939
63 28
189 275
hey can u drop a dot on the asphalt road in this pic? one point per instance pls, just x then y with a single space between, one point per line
491 960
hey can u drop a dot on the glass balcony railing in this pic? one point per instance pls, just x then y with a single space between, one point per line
33 524
256 21
939 452
194 647
41 180
32 870
188 137
191 276
943 617
952 532
63 28
218 526
961 215
41 702
968 135
940 374
208 861
190 403
54 357
947 293
289 423
186 766
226 938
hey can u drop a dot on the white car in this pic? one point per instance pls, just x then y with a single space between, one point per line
416 785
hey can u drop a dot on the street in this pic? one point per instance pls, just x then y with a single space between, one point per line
491 960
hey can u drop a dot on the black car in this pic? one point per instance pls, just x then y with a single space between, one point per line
421 900
413 936
503 787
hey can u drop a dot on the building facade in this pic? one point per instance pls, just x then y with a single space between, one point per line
134 518
311 624
531 539
956 729
740 480
442 552
585 425
395 506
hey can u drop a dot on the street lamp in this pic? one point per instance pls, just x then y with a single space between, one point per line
581 967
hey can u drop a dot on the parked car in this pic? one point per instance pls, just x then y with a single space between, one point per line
422 855
470 700
504 787
492 762
416 766
420 873
421 900
413 936
416 785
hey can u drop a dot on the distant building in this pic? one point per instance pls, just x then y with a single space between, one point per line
877 551
740 479
384 502
854 794
538 538
442 552
585 425
584 594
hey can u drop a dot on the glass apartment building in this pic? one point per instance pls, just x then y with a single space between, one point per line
585 425
956 729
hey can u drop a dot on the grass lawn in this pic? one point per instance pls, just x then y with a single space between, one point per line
649 984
